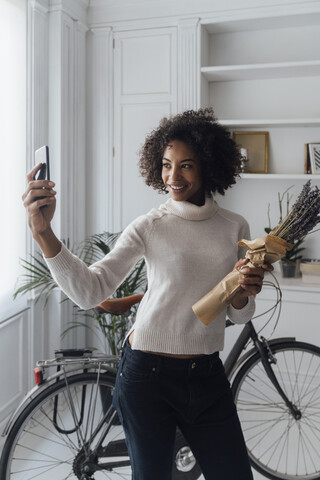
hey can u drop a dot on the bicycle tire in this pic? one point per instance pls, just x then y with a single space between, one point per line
35 449
279 446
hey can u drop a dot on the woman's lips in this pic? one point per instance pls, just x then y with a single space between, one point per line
177 188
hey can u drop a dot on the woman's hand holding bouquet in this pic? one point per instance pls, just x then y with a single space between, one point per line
246 278
250 280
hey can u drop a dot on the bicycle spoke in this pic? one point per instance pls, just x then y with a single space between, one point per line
266 431
42 452
285 443
311 381
299 375
73 412
52 461
41 473
45 438
38 452
314 391
300 448
263 380
308 440
88 417
277 442
66 441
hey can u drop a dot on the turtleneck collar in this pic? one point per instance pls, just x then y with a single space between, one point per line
189 211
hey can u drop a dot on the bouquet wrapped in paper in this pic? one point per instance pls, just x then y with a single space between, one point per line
301 219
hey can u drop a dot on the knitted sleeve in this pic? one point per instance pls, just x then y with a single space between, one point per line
89 286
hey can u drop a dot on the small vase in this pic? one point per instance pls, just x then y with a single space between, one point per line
290 269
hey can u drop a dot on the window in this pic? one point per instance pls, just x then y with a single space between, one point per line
13 36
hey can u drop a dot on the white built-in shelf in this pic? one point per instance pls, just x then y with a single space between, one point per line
292 283
280 176
269 123
226 73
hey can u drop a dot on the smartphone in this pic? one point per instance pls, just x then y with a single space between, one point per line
42 155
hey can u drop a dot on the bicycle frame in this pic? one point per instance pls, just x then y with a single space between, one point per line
234 360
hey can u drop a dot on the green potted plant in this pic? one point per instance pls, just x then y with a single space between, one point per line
113 327
290 263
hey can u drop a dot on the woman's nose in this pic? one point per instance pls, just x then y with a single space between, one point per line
175 174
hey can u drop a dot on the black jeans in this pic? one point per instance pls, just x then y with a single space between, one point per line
155 394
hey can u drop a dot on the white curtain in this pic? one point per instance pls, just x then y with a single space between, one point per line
13 34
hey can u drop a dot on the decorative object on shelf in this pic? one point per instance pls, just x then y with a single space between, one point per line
109 329
290 268
290 262
314 153
301 219
243 160
256 144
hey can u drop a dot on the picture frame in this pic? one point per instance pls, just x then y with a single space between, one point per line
256 145
314 155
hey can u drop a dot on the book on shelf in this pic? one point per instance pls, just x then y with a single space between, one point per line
307 164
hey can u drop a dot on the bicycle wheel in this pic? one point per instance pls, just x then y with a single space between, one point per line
279 446
56 433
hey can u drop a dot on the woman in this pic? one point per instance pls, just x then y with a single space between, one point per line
170 374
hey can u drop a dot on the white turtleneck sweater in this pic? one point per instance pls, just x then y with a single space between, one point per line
188 250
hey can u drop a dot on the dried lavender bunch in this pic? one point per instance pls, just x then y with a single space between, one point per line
303 216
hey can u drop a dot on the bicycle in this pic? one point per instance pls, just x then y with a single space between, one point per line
66 427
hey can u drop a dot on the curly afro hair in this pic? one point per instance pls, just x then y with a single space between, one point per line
210 141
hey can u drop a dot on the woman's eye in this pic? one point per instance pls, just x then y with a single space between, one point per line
166 165
186 165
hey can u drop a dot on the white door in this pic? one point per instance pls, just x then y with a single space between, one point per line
145 90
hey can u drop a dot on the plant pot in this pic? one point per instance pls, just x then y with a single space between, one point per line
290 269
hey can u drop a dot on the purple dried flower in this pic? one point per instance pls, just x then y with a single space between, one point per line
303 216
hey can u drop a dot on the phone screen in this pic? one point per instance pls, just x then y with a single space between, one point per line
42 155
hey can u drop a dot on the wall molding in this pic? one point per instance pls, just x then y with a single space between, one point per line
19 328
40 6
75 9
188 63
100 130
144 12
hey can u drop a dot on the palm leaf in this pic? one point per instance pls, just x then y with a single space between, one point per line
94 248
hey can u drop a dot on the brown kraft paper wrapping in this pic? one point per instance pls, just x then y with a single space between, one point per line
263 249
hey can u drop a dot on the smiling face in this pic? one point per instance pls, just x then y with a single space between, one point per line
181 173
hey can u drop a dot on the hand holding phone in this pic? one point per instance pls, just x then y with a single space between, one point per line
40 203
42 155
